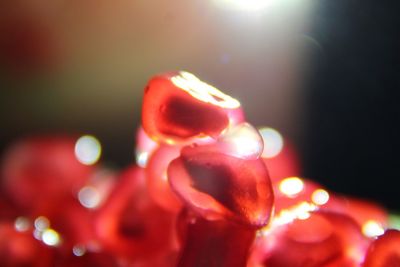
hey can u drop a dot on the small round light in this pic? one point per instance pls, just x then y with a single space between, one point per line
291 186
320 197
51 237
21 224
89 197
88 150
372 229
273 142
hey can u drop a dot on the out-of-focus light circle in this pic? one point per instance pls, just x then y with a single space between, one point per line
250 5
89 197
320 197
41 223
21 224
291 186
273 142
51 237
372 229
79 250
88 149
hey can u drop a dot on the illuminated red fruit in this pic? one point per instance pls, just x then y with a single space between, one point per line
362 211
88 259
292 191
40 171
240 141
217 186
323 239
157 181
177 106
384 251
129 225
19 249
214 243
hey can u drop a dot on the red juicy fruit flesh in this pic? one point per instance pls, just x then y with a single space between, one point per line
323 239
384 251
157 180
360 210
217 243
89 259
171 114
283 201
215 185
21 249
38 172
130 225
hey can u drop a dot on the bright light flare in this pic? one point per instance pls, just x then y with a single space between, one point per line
372 229
273 142
203 91
51 237
291 186
320 197
88 149
250 5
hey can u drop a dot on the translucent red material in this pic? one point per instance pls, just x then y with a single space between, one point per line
384 251
177 106
157 180
130 225
285 200
214 243
89 259
216 185
39 169
241 141
323 239
360 210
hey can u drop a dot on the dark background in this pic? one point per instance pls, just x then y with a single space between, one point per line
353 134
342 114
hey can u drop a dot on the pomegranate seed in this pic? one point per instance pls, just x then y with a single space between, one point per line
216 185
178 106
214 243
384 251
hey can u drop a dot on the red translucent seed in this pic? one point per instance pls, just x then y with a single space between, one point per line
214 243
384 251
216 186
40 171
362 211
241 141
177 106
130 225
88 259
22 249
292 191
157 180
323 239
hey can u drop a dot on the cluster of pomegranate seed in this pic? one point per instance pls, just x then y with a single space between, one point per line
208 190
